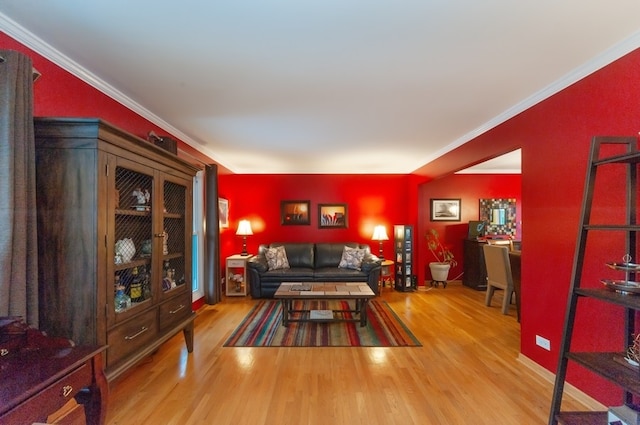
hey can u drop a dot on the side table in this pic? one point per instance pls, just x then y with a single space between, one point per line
236 272
386 271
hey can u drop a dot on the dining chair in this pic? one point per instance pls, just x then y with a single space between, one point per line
501 242
496 258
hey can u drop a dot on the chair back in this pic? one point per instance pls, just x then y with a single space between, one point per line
496 259
502 242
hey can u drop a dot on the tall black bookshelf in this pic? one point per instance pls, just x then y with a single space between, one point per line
403 246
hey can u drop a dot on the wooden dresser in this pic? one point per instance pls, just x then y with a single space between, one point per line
47 380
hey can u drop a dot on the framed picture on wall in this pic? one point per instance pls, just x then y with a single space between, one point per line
445 209
223 212
294 213
332 216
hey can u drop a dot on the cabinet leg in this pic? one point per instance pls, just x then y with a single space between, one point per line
188 336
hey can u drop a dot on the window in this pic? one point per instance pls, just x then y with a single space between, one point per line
197 238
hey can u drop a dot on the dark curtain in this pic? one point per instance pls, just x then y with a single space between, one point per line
212 290
18 238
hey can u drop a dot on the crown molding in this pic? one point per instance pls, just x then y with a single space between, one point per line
27 38
594 64
22 35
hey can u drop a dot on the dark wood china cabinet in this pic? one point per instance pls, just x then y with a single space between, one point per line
114 239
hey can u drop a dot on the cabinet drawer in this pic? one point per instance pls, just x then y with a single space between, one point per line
235 263
175 310
125 339
50 399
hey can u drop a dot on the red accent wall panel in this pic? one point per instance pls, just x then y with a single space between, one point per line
555 137
370 199
59 93
470 188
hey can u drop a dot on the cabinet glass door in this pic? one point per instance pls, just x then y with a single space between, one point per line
133 240
176 229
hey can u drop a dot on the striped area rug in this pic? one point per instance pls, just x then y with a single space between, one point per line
263 328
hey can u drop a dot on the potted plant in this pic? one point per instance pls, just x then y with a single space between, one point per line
443 255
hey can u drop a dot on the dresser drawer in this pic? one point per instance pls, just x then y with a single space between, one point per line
131 336
235 263
175 310
51 398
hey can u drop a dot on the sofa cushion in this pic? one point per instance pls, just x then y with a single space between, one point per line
334 274
369 262
298 254
351 258
277 258
330 254
302 274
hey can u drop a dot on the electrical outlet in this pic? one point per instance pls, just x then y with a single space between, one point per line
543 342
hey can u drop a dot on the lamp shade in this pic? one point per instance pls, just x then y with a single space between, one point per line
380 234
244 228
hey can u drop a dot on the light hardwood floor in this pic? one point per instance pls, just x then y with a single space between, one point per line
466 372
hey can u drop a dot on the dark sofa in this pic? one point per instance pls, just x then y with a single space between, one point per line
310 262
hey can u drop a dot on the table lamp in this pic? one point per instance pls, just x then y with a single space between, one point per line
244 229
380 234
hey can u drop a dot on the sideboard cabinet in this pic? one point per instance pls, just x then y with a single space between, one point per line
114 239
475 271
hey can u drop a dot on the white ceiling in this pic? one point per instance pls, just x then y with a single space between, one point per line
326 86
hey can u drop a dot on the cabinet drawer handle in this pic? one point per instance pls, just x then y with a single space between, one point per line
137 334
180 307
66 390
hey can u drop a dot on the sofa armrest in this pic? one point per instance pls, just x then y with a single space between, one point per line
258 263
370 262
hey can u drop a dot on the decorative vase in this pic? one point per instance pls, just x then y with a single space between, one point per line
439 271
125 250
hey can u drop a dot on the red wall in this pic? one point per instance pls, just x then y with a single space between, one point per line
57 93
469 188
370 199
555 138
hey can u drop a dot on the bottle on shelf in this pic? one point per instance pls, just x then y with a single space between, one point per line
146 284
136 286
167 276
122 301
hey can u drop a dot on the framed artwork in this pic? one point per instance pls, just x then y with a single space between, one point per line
445 209
223 212
332 216
294 213
499 216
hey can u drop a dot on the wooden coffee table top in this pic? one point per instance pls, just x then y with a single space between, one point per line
343 290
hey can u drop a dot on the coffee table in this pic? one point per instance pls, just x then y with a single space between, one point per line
288 292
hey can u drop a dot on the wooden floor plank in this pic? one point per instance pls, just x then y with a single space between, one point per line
466 372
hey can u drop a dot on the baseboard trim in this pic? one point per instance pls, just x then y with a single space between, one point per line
588 401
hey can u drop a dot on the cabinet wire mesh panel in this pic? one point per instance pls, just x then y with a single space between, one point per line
173 247
134 238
